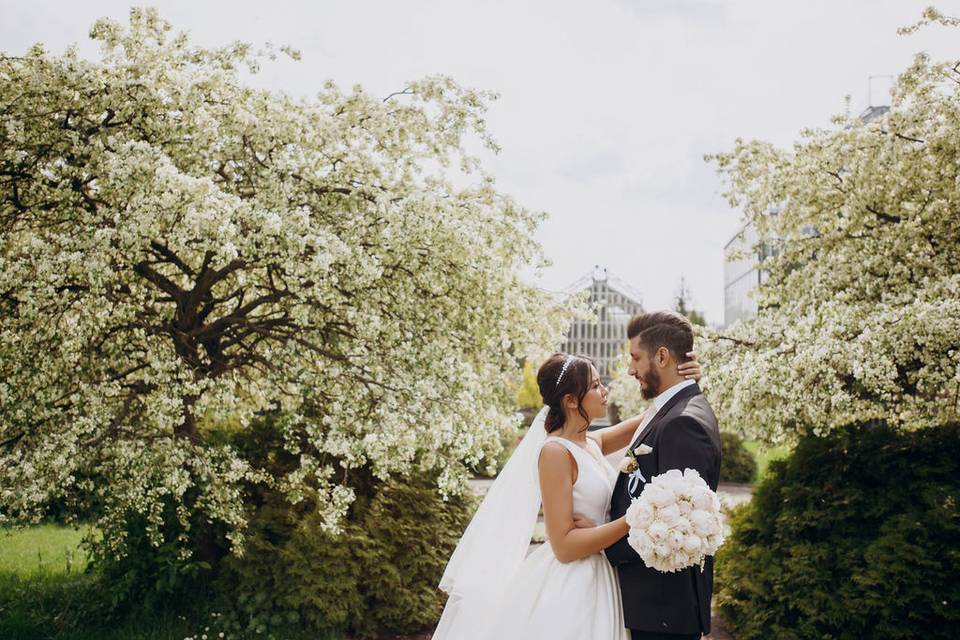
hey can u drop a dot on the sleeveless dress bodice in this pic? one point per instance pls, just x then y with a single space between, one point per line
595 479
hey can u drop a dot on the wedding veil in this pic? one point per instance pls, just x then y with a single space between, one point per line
495 542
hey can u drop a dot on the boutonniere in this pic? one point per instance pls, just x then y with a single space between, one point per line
629 464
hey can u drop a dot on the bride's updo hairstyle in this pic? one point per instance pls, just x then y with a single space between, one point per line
562 375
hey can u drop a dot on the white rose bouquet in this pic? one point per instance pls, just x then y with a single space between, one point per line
675 523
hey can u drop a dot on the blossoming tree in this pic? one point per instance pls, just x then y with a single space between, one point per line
860 316
176 246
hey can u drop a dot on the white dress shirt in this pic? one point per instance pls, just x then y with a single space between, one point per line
658 403
664 397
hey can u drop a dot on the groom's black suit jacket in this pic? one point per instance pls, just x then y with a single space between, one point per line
683 434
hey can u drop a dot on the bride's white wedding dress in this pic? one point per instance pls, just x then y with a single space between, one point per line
577 600
543 597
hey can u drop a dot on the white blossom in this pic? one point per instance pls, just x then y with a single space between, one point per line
178 249
859 318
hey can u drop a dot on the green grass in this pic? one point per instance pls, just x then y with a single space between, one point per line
46 592
765 455
46 549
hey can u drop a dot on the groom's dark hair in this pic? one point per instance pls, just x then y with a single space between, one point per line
663 329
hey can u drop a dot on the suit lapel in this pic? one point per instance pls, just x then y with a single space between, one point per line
686 392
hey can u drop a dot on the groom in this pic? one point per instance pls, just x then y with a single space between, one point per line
683 434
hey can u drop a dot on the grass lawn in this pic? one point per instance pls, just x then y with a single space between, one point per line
46 594
765 455
47 549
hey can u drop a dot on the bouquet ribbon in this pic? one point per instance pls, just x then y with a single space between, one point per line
633 481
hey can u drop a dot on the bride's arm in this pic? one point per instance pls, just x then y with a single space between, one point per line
619 435
557 469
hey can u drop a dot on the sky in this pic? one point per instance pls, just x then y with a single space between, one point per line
606 107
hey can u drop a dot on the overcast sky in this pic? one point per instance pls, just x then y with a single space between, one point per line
607 106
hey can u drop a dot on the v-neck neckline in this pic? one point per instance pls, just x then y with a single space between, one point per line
603 469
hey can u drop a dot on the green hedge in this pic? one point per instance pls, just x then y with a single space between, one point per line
294 580
855 535
380 574
737 464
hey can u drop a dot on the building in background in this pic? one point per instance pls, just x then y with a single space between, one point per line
603 339
742 274
872 113
743 254
743 271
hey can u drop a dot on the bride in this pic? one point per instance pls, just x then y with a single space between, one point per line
566 589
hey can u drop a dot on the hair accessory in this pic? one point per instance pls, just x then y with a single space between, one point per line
566 363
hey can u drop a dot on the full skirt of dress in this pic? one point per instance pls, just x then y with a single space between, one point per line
552 600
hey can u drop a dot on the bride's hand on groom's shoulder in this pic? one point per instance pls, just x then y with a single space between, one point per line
581 521
691 369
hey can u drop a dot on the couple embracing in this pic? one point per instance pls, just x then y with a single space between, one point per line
587 582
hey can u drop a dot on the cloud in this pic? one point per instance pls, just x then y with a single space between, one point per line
700 12
607 107
590 165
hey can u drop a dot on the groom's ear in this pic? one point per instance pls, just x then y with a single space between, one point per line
662 356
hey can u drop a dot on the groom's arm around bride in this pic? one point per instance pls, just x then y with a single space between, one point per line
682 434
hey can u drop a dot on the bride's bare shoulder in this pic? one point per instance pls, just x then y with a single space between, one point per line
554 450
556 459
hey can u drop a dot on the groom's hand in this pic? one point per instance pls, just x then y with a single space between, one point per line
581 521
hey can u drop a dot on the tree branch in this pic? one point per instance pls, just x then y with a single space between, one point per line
165 252
886 217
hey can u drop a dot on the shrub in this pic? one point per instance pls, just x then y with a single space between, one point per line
737 464
380 573
140 576
854 535
411 533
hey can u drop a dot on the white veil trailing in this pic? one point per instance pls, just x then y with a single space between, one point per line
495 542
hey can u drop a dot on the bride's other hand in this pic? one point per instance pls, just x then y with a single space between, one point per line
581 521
691 370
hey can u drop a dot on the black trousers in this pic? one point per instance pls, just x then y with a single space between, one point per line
636 634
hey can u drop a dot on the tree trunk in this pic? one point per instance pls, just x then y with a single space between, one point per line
188 428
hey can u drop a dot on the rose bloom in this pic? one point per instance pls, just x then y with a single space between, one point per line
691 543
702 521
659 495
669 515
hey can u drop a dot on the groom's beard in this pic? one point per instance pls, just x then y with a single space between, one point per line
651 382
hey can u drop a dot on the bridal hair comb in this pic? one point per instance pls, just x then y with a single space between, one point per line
566 363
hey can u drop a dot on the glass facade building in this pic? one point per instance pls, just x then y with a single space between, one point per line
603 339
741 275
